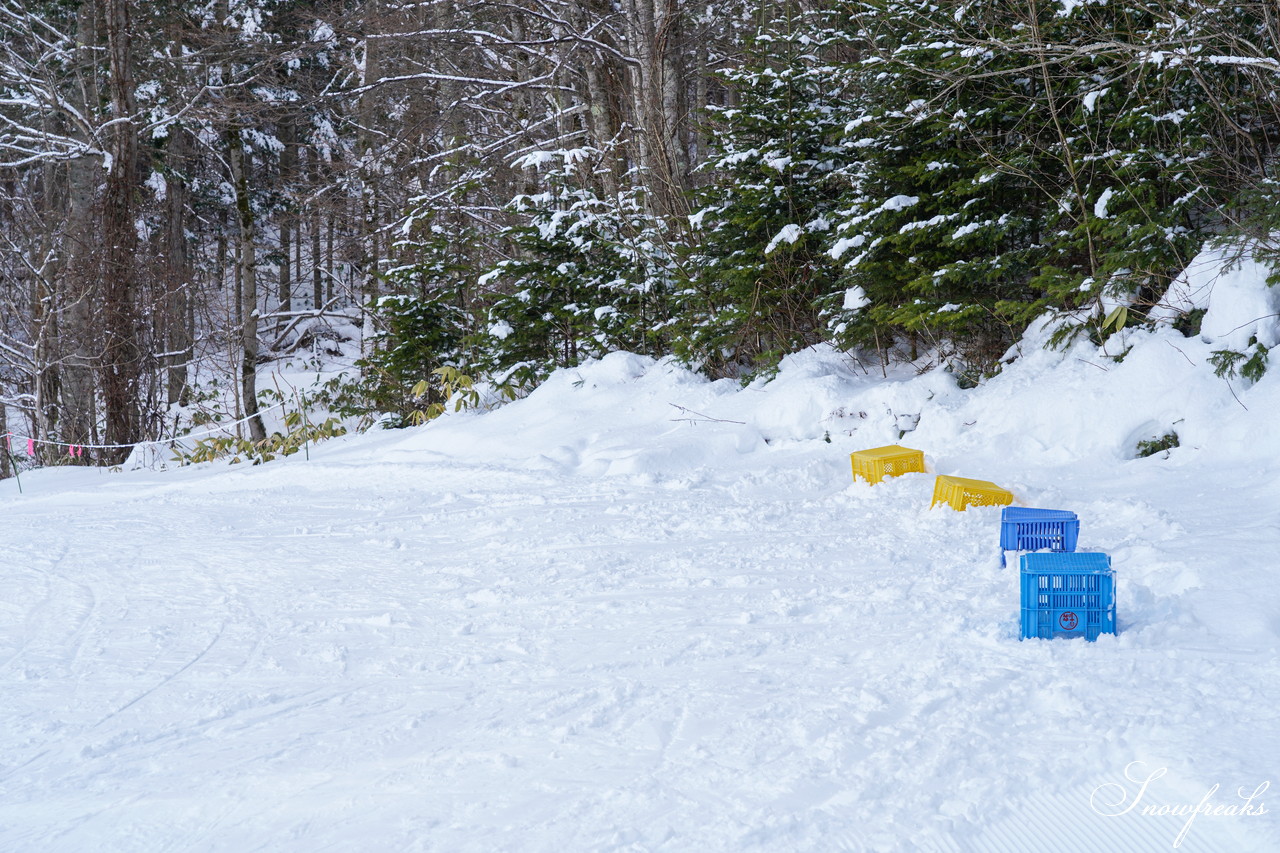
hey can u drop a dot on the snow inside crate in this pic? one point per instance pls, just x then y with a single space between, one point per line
1067 595
1030 529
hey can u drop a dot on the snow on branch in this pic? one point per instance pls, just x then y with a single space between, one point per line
502 85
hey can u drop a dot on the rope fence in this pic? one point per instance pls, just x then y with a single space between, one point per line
77 450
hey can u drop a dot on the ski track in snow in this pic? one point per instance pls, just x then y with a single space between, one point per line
346 655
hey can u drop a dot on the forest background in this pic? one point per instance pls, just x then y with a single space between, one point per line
491 190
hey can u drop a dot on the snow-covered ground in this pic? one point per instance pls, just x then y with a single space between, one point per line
641 611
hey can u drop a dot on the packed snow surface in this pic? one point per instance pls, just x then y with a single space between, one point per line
638 610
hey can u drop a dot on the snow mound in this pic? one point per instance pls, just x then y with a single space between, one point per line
1227 281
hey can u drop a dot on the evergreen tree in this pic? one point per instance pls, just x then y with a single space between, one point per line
944 229
589 274
758 277
421 326
1021 157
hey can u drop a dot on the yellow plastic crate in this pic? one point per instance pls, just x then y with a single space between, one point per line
960 493
879 462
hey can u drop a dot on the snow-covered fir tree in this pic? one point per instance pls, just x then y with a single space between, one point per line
758 276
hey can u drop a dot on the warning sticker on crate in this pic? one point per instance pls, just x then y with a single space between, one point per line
1068 621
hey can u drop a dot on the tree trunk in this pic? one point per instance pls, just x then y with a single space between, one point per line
654 104
180 336
600 125
122 353
45 363
672 130
247 266
80 274
317 281
328 259
5 470
288 174
698 109
80 293
369 169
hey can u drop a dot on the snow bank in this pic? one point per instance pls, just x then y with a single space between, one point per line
632 415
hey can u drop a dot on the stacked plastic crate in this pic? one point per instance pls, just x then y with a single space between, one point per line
1064 593
1028 529
1067 595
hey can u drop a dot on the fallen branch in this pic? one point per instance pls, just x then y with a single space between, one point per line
302 315
701 418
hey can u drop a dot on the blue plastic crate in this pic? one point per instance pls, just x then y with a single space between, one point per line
1028 529
1067 595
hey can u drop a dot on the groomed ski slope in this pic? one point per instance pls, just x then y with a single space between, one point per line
591 620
